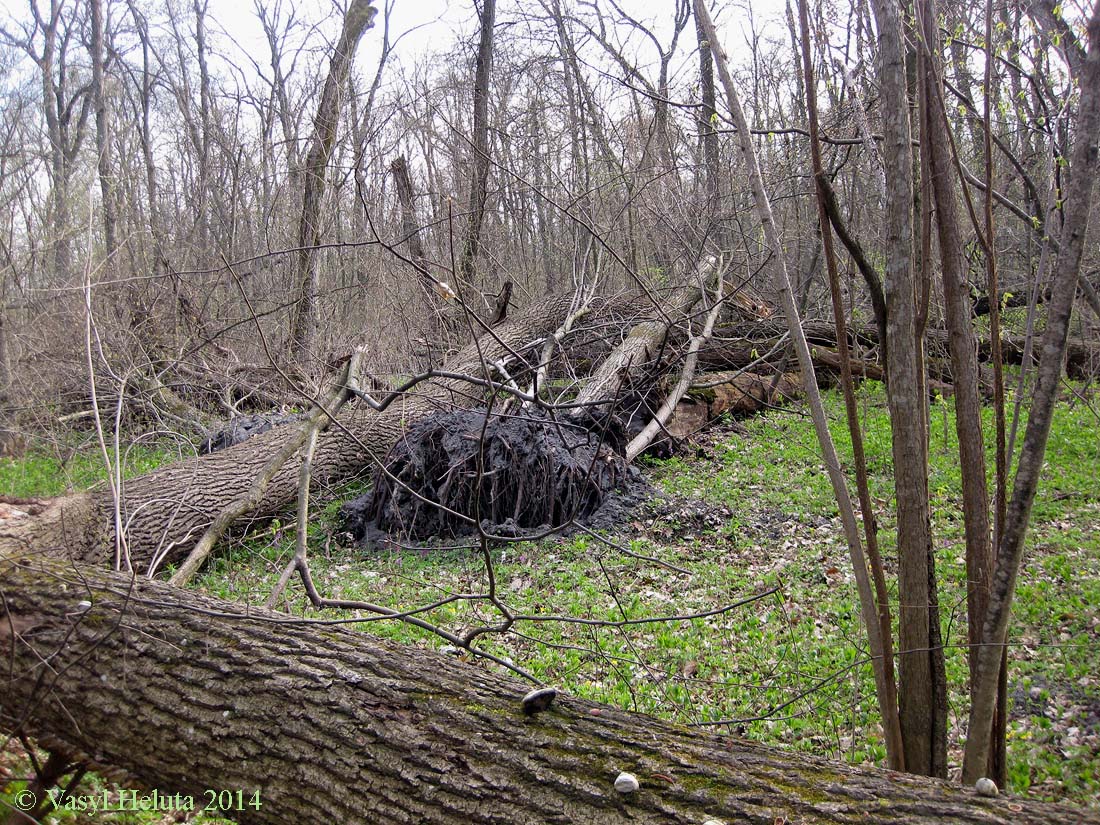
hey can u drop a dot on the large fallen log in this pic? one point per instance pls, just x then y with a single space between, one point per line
739 345
188 695
164 512
830 359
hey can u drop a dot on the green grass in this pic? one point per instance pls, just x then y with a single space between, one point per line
59 468
790 668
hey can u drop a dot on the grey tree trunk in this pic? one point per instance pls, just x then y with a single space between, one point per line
782 284
886 682
358 18
410 226
962 339
479 183
66 110
410 229
919 704
707 121
184 692
1067 268
102 126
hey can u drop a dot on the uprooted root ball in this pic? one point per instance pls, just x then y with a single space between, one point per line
517 473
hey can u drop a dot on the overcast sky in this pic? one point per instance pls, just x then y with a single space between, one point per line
425 26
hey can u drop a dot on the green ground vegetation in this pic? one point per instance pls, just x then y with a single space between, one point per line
752 515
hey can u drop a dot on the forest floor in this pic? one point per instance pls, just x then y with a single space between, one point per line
748 515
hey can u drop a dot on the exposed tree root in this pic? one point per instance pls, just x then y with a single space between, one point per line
508 472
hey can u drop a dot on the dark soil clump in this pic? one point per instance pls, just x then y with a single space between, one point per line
521 473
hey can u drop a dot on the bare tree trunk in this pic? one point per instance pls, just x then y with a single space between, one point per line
884 669
479 183
410 226
410 229
102 128
66 112
11 442
202 137
707 120
153 218
317 723
919 703
1067 268
284 110
963 341
782 284
998 756
358 18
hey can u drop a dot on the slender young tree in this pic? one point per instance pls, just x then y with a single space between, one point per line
962 339
479 182
782 284
707 120
1067 270
357 19
922 701
884 671
103 127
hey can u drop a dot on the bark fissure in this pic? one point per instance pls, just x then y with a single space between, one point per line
333 725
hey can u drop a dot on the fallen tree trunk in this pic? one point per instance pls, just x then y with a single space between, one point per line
1082 357
830 359
737 346
637 354
330 725
742 393
738 393
165 512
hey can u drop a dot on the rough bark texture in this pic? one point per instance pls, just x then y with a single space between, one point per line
330 725
166 511
358 18
707 120
907 401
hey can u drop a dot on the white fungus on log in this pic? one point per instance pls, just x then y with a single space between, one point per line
626 783
986 787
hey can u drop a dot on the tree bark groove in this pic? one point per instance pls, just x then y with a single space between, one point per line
331 725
